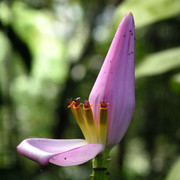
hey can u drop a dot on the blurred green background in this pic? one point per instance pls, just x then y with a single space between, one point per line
51 50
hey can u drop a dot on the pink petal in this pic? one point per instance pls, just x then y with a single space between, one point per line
41 150
61 152
78 155
115 82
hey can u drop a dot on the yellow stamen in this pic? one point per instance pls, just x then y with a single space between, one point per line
91 124
103 116
81 120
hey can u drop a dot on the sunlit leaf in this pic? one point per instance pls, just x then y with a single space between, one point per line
177 78
5 44
148 11
175 82
35 28
158 63
174 173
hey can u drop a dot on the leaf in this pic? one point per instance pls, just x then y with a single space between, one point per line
175 82
174 173
158 63
49 52
176 78
148 11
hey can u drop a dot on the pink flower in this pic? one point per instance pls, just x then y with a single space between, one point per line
115 83
104 121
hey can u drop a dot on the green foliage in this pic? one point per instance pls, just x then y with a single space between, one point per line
174 173
35 29
149 11
175 82
159 62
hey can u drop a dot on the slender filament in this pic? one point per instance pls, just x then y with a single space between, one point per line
91 124
103 116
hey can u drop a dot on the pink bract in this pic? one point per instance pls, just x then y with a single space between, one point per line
115 83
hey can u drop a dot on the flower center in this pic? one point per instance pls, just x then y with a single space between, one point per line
86 122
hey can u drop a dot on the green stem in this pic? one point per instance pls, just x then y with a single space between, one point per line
100 166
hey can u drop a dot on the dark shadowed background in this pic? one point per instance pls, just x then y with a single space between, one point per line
51 50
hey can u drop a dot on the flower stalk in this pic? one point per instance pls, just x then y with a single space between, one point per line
100 166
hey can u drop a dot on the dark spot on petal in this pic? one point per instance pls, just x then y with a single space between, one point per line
124 35
64 158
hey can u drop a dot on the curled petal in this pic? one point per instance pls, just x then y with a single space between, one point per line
44 151
115 82
41 150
